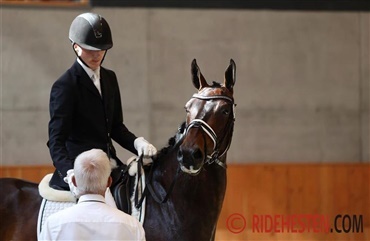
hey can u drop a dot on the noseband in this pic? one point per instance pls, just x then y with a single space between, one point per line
215 156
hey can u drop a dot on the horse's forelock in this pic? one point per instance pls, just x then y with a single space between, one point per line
215 84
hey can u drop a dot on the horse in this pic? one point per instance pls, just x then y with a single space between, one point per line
186 183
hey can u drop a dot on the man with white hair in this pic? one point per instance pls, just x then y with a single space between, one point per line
91 218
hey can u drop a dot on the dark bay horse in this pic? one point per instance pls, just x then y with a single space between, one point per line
188 179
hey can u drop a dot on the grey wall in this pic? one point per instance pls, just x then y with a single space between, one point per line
302 77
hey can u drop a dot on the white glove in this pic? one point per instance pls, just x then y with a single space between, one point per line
143 147
72 187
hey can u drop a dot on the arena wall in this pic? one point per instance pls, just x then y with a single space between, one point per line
302 88
289 190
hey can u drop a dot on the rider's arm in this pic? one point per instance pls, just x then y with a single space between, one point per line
61 109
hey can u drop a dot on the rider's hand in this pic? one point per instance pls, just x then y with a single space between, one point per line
72 187
143 147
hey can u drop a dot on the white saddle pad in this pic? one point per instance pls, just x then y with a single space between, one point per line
53 201
49 207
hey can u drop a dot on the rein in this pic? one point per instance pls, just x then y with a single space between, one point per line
149 186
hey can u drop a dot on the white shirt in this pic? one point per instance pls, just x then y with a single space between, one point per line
91 219
94 75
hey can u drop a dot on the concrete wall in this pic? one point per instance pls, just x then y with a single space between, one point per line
302 77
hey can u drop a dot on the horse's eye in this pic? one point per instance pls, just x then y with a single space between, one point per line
186 109
226 111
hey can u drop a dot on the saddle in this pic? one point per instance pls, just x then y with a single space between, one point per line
121 188
128 186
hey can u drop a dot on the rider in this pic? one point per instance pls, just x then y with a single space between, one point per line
85 103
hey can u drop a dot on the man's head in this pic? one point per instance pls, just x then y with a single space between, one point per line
91 31
92 172
91 37
92 58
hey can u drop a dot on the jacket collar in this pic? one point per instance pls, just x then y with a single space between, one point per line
85 78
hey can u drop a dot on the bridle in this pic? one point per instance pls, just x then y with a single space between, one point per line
216 154
214 157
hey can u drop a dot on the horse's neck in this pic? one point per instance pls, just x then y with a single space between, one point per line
194 205
208 186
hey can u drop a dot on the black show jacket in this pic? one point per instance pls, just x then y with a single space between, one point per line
81 119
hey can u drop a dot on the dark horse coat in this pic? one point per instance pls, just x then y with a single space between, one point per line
81 119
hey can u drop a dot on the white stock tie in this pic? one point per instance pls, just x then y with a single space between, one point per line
96 80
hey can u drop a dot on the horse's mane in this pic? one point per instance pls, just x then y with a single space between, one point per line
172 141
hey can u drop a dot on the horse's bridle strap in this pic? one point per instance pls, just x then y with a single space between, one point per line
214 157
206 128
198 96
213 97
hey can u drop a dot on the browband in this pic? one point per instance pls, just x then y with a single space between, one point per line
198 96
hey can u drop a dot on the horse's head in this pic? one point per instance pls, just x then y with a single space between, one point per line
209 122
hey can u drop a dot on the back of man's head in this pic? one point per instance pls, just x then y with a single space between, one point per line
92 171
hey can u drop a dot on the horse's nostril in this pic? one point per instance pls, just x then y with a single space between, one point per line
189 156
197 154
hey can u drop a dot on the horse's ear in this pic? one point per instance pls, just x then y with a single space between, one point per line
198 80
230 75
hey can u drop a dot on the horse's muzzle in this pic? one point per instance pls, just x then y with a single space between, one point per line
191 160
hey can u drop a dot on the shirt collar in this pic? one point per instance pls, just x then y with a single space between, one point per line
89 71
91 197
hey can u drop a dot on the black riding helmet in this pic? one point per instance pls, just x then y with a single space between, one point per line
91 31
